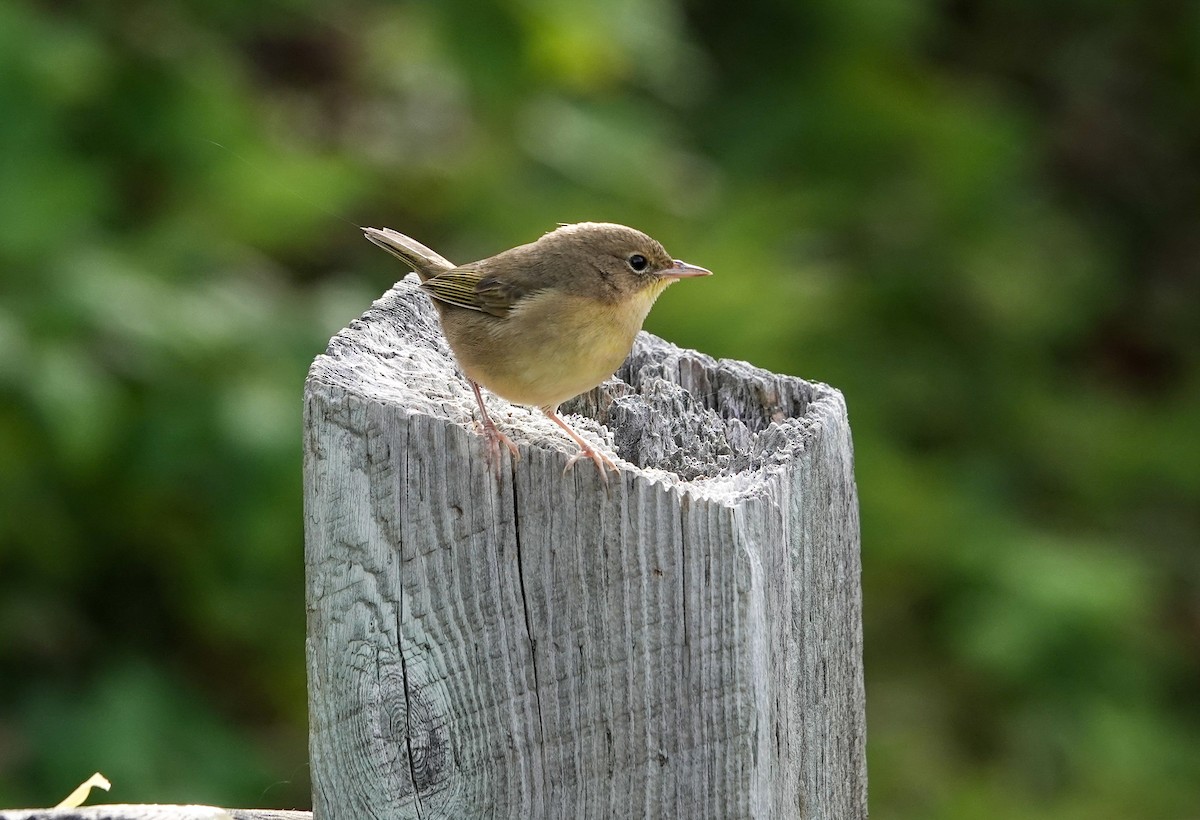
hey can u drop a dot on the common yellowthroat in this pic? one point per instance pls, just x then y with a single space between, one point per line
545 321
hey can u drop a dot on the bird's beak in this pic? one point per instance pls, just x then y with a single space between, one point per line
682 270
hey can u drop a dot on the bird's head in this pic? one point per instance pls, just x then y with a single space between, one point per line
613 262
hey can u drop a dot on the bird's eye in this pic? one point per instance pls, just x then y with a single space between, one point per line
638 262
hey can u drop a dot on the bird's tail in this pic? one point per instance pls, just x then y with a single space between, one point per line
425 262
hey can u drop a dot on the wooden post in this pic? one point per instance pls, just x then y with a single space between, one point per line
685 645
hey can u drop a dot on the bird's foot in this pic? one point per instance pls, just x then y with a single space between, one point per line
603 462
494 439
493 435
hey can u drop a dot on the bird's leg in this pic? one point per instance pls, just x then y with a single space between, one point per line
585 450
494 437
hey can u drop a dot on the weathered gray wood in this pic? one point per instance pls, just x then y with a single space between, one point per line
147 811
686 645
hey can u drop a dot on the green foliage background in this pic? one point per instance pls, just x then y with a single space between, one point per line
978 218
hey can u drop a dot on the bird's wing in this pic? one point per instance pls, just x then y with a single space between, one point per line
468 287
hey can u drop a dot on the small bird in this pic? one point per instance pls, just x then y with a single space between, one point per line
543 322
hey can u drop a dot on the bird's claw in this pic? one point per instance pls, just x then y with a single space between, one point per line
494 439
603 462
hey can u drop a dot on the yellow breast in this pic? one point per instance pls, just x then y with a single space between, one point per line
551 347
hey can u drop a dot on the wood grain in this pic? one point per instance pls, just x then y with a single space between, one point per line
685 644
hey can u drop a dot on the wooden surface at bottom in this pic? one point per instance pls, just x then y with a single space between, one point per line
150 811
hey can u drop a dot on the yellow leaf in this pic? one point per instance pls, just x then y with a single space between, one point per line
76 798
